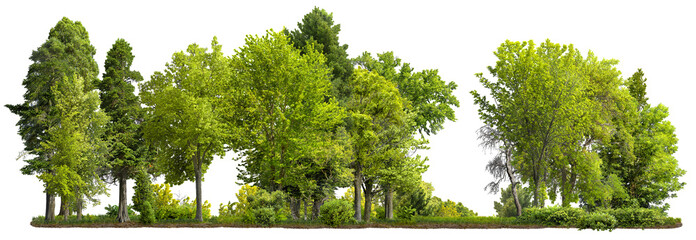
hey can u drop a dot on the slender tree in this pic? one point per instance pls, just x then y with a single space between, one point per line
75 144
187 126
123 107
67 51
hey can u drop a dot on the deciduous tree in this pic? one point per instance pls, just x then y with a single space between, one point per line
187 126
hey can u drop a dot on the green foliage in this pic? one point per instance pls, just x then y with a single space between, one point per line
143 191
187 105
66 53
552 216
550 105
430 98
166 207
506 206
317 29
258 206
416 198
147 216
637 217
75 141
336 212
288 141
597 221
405 212
112 210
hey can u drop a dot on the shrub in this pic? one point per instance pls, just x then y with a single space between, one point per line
147 216
265 216
554 216
637 217
597 221
257 206
143 190
112 210
336 212
405 212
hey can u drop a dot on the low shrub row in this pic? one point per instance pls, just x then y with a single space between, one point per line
603 219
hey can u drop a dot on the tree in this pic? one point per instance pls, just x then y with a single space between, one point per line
123 107
292 141
318 29
374 107
67 51
550 106
641 152
429 102
75 144
187 126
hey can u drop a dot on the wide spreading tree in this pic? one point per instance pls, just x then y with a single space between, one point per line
66 52
123 133
187 125
550 107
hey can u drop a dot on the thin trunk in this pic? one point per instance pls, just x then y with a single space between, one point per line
368 202
50 208
294 208
122 200
357 184
389 202
304 201
199 192
513 184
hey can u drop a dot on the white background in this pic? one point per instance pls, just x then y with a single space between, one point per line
456 38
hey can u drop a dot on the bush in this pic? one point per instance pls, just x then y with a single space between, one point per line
405 212
147 216
336 212
553 216
265 216
112 210
257 206
637 217
597 221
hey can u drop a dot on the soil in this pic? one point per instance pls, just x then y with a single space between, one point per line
307 226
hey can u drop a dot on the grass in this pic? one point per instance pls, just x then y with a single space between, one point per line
96 221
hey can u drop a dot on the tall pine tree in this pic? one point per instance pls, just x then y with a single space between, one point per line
123 106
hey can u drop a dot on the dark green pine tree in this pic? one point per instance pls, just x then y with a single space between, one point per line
66 52
318 28
123 107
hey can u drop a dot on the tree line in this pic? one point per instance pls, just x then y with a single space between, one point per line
303 117
305 120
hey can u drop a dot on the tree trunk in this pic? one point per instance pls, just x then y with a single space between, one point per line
65 208
316 207
368 202
304 201
199 192
78 209
122 200
294 208
357 184
389 202
50 208
513 184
